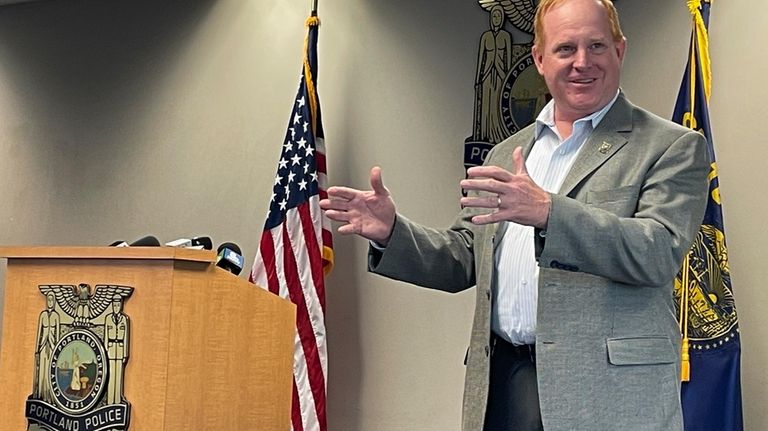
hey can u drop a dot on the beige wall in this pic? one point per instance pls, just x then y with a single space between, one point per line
125 118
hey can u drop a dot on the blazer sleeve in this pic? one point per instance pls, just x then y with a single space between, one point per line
427 257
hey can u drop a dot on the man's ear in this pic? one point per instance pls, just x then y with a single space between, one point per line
621 49
538 58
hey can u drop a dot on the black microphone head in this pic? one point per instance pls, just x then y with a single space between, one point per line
230 245
230 258
147 241
204 241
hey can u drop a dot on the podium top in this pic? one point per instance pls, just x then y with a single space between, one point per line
137 253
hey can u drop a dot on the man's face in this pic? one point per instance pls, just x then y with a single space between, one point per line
578 58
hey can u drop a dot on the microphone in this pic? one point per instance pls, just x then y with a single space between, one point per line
198 242
230 258
202 241
147 241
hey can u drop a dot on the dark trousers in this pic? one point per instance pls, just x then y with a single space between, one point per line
513 395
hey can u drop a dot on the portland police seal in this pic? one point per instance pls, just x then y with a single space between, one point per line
80 353
509 92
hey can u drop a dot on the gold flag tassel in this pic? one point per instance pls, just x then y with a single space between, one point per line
685 363
312 21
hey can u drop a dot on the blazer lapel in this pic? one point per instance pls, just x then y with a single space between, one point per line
603 143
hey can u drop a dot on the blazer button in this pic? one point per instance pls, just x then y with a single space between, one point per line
488 293
487 350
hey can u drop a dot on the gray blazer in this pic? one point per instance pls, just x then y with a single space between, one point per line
607 342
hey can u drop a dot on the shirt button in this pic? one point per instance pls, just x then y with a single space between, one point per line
525 283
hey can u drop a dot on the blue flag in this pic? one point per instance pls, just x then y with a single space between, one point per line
711 354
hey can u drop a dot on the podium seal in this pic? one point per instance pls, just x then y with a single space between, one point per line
80 353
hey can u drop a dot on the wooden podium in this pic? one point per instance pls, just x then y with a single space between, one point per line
208 350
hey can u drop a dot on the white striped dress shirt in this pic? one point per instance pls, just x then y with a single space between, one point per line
516 275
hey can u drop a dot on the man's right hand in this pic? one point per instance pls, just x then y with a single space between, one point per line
370 214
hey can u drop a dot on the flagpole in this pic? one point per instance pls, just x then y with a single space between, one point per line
314 7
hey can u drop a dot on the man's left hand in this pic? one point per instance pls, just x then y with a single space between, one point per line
513 195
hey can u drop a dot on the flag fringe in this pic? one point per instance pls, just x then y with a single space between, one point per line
312 21
699 59
702 45
327 260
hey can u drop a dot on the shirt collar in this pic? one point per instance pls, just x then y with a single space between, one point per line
546 117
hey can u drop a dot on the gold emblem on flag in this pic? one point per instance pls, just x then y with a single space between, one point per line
703 294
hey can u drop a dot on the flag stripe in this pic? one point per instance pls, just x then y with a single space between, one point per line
295 413
320 160
316 257
303 323
269 263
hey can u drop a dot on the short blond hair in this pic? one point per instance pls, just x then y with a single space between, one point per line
547 5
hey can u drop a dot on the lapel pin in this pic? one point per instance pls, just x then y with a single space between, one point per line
605 147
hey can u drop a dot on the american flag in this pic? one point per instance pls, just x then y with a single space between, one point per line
296 249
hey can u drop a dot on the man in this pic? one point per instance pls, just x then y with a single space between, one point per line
572 232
